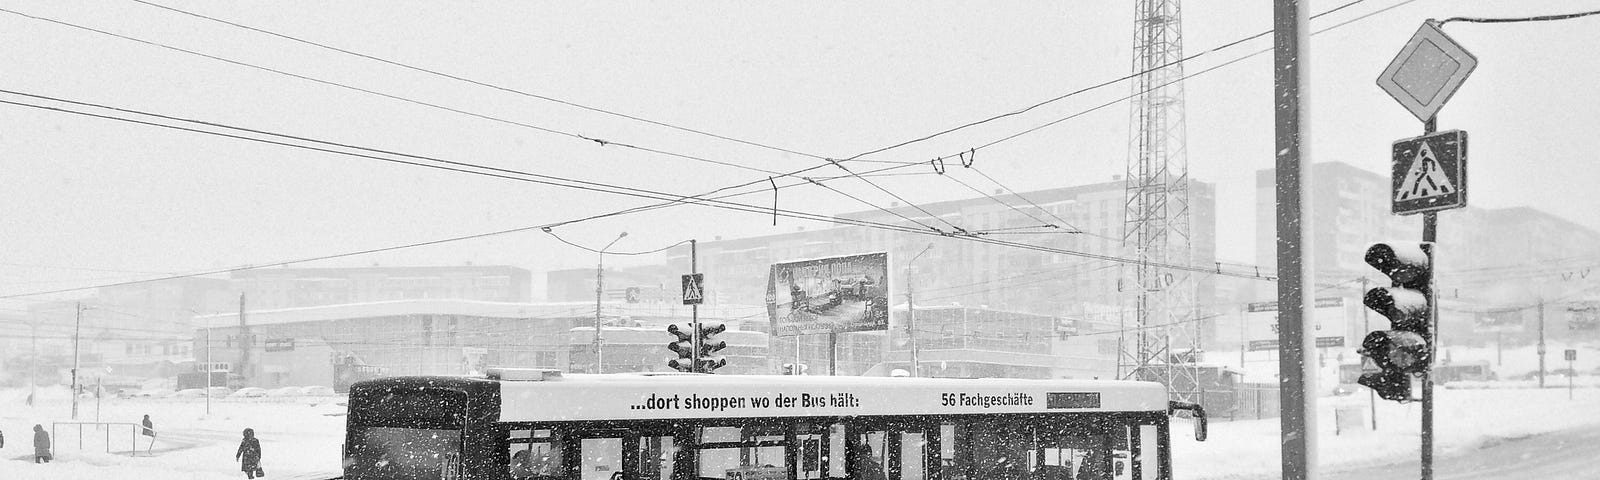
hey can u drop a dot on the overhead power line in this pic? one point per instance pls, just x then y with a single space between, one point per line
1079 91
512 175
600 141
1540 18
460 78
608 252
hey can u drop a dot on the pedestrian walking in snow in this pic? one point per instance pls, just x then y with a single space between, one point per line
149 430
41 445
249 455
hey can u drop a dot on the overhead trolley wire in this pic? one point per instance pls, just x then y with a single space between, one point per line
599 141
1540 18
451 76
542 179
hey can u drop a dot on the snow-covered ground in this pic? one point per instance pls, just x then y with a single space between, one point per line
1463 419
301 438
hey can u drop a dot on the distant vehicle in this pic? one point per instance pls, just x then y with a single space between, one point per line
318 391
190 393
284 392
155 393
249 392
1468 371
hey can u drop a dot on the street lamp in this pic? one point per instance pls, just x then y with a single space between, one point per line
911 314
599 287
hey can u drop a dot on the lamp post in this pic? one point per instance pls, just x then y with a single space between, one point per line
911 314
599 289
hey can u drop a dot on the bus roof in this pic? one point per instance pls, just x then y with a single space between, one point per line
674 395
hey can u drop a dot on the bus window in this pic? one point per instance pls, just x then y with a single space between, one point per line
410 453
912 461
834 456
953 467
1000 451
734 453
1149 458
600 457
534 454
1072 454
810 464
656 457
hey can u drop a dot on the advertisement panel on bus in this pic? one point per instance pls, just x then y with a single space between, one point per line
829 295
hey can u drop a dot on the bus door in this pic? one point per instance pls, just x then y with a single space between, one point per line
896 450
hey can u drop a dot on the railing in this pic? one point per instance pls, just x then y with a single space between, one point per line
1256 401
133 434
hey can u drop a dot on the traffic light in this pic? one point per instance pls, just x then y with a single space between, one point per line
684 347
708 360
1407 348
703 361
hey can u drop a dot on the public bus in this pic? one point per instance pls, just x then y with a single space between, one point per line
536 424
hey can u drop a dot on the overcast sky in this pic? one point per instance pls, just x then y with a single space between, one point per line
90 200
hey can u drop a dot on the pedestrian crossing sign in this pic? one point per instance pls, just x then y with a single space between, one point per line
1430 173
694 289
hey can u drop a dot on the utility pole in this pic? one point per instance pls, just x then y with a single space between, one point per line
1372 395
599 288
76 329
911 314
33 360
209 368
1297 384
245 339
1541 341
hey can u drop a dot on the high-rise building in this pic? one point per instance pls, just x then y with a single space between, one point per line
1488 258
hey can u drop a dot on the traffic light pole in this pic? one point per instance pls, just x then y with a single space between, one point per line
694 310
1430 234
1297 376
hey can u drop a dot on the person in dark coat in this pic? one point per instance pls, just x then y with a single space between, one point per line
149 430
249 455
41 445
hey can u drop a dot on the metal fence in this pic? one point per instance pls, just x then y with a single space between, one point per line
1255 401
101 429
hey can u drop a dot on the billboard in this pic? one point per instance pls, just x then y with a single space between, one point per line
1331 315
1498 321
829 295
1584 316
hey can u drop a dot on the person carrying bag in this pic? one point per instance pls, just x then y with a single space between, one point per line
249 455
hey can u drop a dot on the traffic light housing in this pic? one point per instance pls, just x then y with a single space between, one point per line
1409 304
703 360
708 360
684 347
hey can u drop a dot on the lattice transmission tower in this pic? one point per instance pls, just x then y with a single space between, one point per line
1160 331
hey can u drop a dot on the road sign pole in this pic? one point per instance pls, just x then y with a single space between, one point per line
1430 232
694 309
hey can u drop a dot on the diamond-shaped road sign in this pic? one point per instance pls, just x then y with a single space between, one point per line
694 289
1430 173
1427 71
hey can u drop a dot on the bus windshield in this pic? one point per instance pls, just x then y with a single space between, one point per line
405 434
